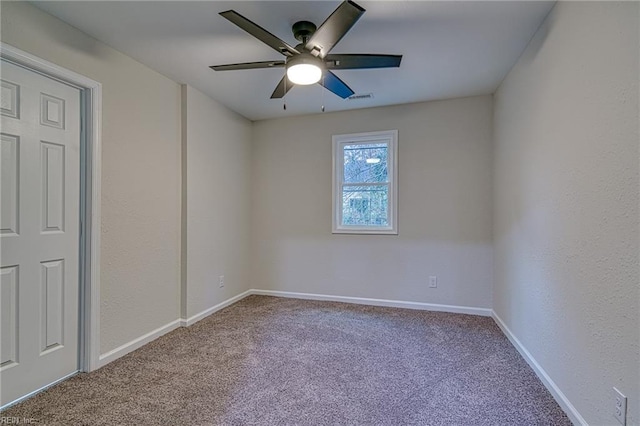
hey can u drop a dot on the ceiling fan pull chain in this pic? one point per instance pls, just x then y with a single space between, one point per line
284 96
322 88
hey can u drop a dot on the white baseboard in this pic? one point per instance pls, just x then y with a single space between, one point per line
377 302
186 322
555 391
131 346
153 335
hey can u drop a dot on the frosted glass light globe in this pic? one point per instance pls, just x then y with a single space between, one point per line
304 69
304 74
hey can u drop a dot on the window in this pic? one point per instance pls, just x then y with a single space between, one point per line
365 183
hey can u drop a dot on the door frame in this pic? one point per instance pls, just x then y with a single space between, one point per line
90 176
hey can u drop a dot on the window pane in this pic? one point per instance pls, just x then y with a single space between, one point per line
365 163
365 205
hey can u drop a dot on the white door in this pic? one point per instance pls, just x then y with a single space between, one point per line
39 235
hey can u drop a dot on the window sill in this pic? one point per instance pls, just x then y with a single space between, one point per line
365 231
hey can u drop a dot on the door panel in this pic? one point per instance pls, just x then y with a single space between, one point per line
10 168
39 232
52 305
52 189
9 312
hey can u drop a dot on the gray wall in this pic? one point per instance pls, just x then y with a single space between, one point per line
566 204
444 163
216 196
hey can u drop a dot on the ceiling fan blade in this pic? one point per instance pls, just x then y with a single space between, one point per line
334 28
282 88
258 32
355 61
332 82
248 66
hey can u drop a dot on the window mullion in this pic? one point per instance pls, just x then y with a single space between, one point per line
365 184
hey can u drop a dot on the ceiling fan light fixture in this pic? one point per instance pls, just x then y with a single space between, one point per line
304 69
311 61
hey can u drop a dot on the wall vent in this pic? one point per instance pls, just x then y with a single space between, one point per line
358 97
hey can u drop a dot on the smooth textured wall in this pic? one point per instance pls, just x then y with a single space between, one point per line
217 195
140 246
566 204
445 201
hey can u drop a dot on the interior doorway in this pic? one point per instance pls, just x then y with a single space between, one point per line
50 240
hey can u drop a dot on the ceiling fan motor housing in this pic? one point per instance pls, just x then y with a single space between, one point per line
304 58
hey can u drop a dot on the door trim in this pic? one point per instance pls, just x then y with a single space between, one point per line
90 166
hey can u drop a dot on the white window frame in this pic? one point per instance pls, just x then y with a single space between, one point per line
389 137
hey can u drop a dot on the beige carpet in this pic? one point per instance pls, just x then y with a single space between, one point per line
273 361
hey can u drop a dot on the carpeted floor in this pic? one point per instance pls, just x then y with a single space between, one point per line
274 361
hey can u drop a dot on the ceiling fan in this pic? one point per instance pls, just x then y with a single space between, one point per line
310 61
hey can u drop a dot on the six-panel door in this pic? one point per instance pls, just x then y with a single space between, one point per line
39 231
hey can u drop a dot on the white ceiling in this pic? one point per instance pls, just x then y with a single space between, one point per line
451 48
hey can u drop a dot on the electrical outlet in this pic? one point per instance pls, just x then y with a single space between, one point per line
433 281
221 281
620 412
